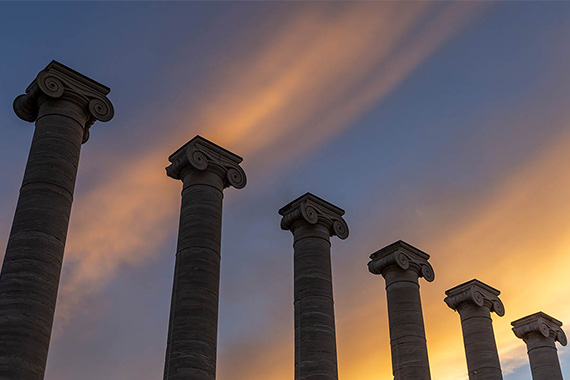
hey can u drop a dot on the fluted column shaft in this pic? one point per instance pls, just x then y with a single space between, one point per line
407 333
205 170
32 265
479 340
193 325
315 337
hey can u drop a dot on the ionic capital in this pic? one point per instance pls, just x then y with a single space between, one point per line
200 154
542 324
58 81
404 256
313 210
477 293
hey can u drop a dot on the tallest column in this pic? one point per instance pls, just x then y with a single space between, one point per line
205 170
64 104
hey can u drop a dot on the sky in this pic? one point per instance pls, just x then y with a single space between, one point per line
442 124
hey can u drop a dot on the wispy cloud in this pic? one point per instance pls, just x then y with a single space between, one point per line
323 71
303 85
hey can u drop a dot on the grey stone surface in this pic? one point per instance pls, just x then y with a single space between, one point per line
474 301
401 265
313 221
205 170
64 104
540 332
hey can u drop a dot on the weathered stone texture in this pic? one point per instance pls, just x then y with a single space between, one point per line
401 265
540 332
312 221
474 301
205 169
59 101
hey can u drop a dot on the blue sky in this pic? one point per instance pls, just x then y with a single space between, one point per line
442 124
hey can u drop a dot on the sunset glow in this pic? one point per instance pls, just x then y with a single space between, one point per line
444 124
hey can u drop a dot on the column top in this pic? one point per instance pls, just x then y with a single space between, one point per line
475 292
403 255
56 81
311 209
541 323
201 154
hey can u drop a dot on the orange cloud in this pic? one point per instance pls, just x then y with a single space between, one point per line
322 72
303 86
124 221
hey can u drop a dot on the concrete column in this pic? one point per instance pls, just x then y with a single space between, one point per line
401 265
474 301
205 170
540 332
64 104
313 221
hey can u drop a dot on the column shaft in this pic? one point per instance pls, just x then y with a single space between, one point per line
479 340
474 301
313 221
543 357
540 332
192 335
407 333
315 339
32 265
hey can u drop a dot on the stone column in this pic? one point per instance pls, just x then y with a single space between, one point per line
205 169
64 104
540 332
401 265
474 301
313 221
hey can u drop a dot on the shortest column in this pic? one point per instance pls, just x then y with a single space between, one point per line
540 332
474 302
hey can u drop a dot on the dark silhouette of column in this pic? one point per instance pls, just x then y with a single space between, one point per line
64 104
474 301
313 221
205 170
401 265
540 332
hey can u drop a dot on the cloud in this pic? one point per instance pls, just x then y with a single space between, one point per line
122 221
302 86
322 72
